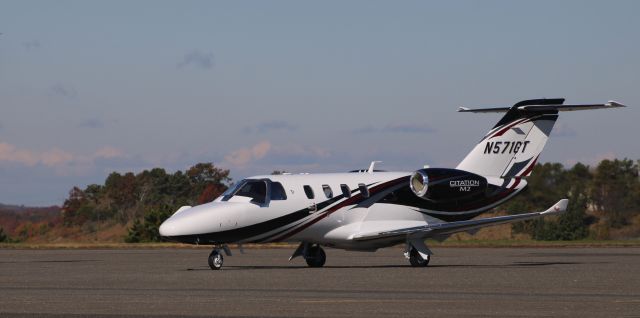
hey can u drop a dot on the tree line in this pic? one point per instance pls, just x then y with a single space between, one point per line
146 198
604 200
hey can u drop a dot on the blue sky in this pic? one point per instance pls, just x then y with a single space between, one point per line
90 87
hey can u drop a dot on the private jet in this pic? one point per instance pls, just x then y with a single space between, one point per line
365 210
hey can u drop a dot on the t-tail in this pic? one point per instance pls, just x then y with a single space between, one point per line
513 145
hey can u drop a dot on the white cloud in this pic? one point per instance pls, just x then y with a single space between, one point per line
63 162
108 152
241 157
9 153
55 158
591 160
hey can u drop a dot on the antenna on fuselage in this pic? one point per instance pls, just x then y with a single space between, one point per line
372 166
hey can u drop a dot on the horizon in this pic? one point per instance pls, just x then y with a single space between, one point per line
591 168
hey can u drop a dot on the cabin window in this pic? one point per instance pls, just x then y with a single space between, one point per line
308 191
364 190
346 192
327 191
277 191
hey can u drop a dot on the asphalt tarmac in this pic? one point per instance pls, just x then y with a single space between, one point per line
459 282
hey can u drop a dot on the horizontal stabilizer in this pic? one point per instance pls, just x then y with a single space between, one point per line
431 230
543 108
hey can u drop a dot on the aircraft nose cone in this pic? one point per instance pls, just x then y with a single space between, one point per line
167 229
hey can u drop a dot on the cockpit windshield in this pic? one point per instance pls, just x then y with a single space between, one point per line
259 190
255 189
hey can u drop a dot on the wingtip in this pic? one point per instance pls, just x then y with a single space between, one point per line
463 109
613 103
559 207
562 204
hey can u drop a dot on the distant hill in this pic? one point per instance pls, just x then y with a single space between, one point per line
12 207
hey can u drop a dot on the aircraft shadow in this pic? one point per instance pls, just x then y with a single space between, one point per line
280 267
53 261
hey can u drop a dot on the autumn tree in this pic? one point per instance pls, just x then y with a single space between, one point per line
146 198
615 190
72 205
206 175
3 237
548 183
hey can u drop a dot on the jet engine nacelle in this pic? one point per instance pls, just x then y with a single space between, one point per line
443 185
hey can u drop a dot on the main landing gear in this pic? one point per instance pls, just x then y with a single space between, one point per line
313 254
417 260
418 253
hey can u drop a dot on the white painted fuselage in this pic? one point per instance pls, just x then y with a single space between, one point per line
341 206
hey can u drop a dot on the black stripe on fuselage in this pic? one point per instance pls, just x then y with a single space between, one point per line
243 232
246 232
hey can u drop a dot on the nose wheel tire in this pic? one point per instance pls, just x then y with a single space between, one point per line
215 260
316 256
416 259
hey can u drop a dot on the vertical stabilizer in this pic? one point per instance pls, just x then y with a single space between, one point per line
513 146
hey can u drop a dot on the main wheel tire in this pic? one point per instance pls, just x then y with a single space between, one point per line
316 256
215 260
416 260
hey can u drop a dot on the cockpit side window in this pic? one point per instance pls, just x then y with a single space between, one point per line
277 191
309 192
327 191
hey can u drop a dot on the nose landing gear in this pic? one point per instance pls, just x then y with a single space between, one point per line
216 259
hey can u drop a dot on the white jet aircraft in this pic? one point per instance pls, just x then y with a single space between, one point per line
369 209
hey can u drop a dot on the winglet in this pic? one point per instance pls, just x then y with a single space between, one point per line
559 207
613 103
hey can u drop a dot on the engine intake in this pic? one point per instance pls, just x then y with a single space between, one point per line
435 184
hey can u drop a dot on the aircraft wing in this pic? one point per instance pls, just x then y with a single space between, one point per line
460 226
